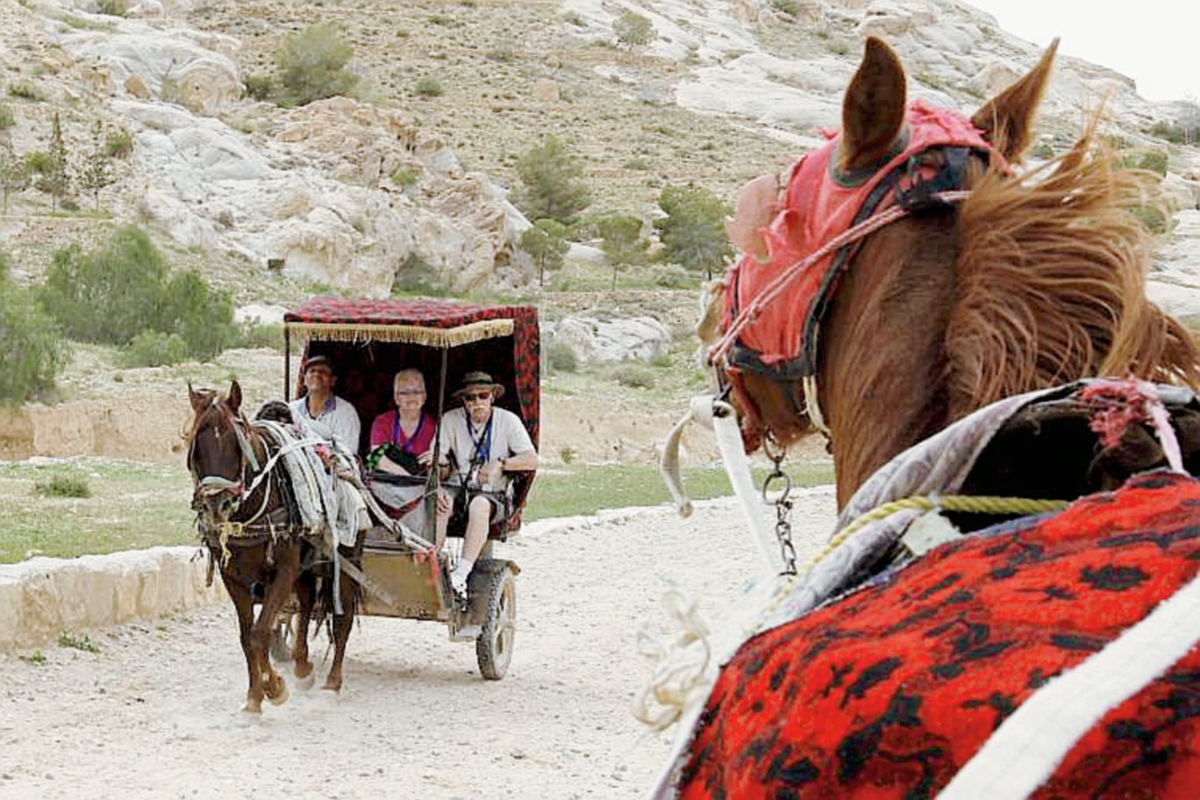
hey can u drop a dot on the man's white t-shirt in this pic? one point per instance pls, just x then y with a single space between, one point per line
503 436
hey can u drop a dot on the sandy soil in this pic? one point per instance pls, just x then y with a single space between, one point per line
155 712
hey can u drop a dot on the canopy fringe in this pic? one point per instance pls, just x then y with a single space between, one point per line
407 334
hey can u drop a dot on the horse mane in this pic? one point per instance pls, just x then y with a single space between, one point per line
1051 282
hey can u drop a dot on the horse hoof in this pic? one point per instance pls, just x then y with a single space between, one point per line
336 688
303 670
307 681
252 707
280 697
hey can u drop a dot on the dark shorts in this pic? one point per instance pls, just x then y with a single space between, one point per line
502 505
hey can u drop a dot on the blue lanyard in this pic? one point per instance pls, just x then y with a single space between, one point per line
483 444
398 436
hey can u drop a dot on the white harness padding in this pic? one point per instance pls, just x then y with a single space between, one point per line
327 504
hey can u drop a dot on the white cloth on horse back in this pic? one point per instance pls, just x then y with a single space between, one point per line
338 421
505 438
327 505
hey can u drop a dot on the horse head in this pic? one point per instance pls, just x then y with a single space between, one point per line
903 275
218 457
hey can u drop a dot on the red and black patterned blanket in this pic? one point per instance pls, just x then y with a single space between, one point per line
891 691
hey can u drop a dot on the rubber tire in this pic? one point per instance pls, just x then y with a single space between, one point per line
493 648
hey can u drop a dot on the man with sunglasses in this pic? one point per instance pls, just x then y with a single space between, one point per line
485 445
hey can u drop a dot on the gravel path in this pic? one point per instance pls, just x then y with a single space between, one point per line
155 712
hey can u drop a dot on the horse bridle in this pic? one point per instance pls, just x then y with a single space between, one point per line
208 487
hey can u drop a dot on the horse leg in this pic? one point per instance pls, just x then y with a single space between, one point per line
287 568
342 623
306 595
239 592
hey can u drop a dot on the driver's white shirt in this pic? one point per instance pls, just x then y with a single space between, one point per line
338 421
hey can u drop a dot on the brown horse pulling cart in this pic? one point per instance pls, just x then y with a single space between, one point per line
368 341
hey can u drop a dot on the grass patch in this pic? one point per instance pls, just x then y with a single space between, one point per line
136 506
133 506
576 489
63 486
83 643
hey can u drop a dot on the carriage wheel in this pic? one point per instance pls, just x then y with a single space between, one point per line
493 648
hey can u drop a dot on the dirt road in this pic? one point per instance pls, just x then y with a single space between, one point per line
154 713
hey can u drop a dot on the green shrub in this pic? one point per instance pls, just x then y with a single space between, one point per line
633 30
553 183
111 294
635 376
154 349
118 144
314 64
63 486
34 351
1153 161
252 335
7 120
260 87
405 178
560 357
25 91
111 8
77 642
429 86
115 293
787 6
37 161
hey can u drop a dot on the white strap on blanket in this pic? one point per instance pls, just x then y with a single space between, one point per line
721 419
1029 745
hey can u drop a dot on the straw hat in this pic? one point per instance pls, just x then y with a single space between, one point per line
474 380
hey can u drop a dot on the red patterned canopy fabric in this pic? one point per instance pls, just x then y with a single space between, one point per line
361 321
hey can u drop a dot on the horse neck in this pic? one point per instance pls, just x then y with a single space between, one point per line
883 372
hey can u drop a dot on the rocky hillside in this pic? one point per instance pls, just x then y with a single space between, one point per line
273 202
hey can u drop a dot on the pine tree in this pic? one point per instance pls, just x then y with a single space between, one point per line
623 241
693 232
96 171
55 179
554 188
546 243
14 175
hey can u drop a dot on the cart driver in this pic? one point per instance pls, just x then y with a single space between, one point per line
321 411
485 445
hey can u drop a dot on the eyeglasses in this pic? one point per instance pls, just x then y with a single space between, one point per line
478 396
410 392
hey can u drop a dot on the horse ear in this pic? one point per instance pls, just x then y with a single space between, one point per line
198 399
874 107
1006 119
235 396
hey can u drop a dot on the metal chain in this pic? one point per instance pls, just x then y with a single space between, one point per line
783 506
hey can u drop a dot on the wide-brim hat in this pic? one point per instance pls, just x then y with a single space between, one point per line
474 380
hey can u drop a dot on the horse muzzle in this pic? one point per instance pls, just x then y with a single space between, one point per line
217 498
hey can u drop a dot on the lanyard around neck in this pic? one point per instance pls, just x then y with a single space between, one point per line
483 442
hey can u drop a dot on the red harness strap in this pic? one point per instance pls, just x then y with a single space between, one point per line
826 214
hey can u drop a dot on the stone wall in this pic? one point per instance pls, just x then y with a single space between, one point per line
44 597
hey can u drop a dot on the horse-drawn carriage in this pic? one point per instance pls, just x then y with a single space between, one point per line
368 342
266 490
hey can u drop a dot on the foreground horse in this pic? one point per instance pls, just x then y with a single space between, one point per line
987 667
253 531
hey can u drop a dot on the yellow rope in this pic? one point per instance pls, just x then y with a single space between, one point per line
980 504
